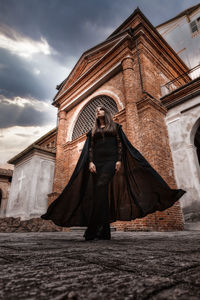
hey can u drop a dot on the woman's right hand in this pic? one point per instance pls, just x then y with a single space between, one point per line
92 167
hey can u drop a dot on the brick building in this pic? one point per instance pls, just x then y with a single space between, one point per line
125 72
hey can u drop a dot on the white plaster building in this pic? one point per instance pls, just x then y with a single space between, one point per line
32 179
183 123
183 118
183 34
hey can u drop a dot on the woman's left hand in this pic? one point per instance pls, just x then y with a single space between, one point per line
117 166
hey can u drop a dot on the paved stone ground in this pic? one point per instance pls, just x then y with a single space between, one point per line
132 265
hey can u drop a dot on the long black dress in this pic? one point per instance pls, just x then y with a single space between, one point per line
134 192
105 150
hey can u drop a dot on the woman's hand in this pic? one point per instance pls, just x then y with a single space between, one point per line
92 167
117 166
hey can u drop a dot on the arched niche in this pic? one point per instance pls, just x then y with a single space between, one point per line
195 138
197 143
86 117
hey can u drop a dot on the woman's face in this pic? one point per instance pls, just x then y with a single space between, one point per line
100 112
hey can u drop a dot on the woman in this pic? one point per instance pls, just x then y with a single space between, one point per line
111 181
105 153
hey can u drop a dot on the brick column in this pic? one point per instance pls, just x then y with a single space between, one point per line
132 123
59 165
130 90
156 149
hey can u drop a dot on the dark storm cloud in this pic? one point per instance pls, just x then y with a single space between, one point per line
13 114
67 25
17 78
72 27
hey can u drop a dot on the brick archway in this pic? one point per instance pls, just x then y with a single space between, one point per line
86 117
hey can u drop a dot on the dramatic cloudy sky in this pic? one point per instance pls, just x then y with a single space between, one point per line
40 41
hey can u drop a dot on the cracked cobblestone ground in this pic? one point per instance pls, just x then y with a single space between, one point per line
132 265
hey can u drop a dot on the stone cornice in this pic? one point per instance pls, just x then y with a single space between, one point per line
6 172
113 71
90 52
93 67
147 101
143 32
182 94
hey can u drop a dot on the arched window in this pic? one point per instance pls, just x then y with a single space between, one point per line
87 116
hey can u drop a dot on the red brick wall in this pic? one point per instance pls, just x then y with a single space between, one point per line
155 148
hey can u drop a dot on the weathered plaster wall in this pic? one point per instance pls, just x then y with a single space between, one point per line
5 189
182 122
31 183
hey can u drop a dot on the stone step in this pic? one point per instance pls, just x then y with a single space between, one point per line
11 224
192 226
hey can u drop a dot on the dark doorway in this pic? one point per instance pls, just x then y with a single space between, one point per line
197 142
0 197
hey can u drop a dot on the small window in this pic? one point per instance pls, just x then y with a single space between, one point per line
193 26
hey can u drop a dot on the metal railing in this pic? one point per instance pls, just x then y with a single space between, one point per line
181 80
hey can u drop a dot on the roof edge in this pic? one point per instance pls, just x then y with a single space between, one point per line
30 148
185 12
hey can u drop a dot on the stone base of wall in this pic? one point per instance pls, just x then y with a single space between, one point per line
152 222
131 226
10 224
148 223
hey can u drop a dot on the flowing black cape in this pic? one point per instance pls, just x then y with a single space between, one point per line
135 191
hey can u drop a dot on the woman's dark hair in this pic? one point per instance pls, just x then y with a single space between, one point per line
110 125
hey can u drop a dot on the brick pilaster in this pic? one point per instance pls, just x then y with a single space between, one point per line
130 91
59 166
